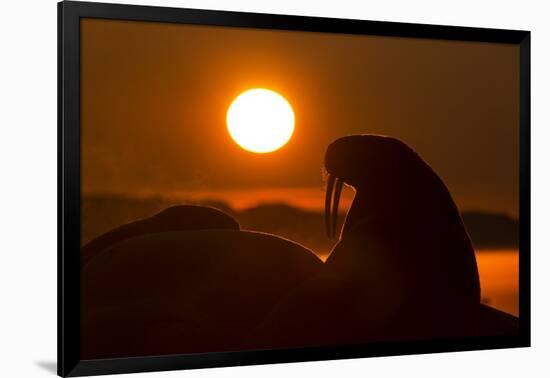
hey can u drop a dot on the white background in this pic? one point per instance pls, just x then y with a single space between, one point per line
28 186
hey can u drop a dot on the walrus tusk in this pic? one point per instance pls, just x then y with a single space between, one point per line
328 198
335 185
336 200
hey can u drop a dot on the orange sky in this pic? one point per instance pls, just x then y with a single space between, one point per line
154 98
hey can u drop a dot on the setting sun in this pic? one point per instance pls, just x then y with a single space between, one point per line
260 120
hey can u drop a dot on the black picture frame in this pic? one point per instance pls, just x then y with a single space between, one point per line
69 15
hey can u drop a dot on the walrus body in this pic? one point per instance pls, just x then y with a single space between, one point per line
404 267
186 291
175 218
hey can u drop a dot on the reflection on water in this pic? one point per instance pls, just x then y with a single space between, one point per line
499 276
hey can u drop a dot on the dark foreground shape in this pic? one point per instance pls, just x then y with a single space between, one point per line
493 322
404 267
186 291
175 218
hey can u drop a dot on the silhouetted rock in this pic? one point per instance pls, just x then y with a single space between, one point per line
493 322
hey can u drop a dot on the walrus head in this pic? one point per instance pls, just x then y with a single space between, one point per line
404 224
389 177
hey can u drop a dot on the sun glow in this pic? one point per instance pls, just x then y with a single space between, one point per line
260 120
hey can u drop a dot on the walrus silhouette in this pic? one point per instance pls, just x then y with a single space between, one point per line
174 218
403 221
404 266
163 285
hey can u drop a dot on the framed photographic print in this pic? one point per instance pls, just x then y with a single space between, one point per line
239 188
